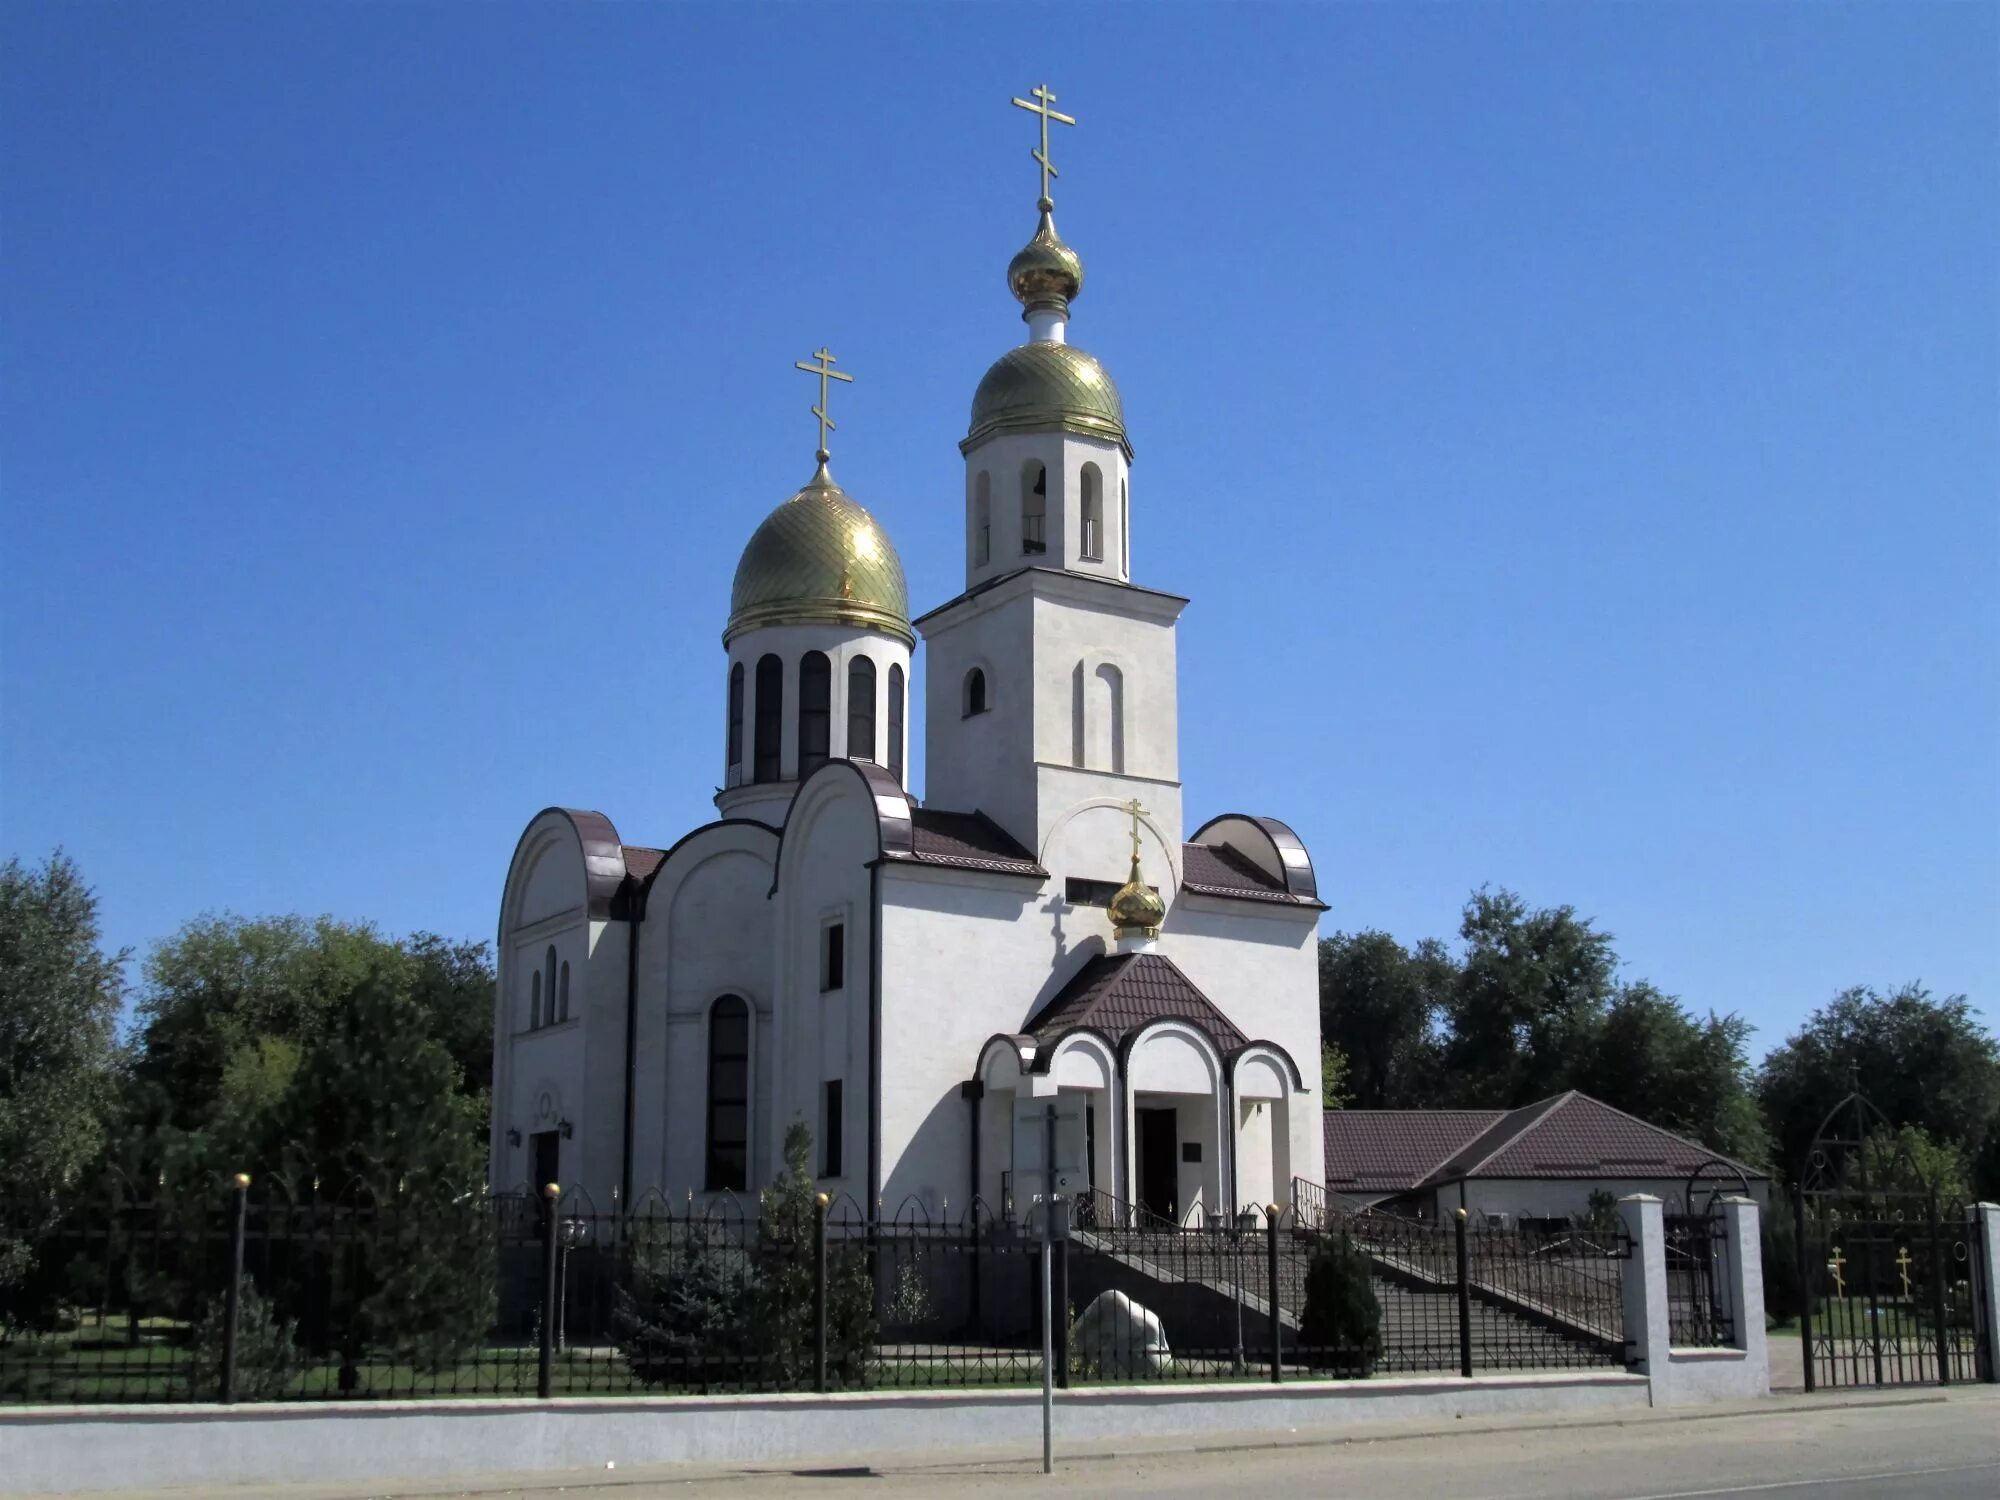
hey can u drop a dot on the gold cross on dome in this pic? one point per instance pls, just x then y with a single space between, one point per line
825 370
1044 96
1137 812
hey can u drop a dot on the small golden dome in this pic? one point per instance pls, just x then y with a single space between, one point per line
1136 908
1045 273
1038 386
820 559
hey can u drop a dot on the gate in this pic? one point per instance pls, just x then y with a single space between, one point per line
1890 1290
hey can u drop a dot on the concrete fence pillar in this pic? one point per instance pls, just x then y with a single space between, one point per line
1743 1285
1647 1330
1986 1258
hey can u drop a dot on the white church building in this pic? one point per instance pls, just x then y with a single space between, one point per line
919 980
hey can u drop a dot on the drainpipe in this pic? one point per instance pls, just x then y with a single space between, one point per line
1229 1128
632 925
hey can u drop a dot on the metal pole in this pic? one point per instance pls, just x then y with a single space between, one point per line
1048 1290
1464 1303
233 1296
819 1294
1271 1293
1937 1295
1803 1252
546 1368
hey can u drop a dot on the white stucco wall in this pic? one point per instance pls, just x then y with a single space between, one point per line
1003 458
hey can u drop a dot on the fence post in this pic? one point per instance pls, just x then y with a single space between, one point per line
546 1368
1985 1238
819 1293
1271 1303
1805 1273
1743 1286
1648 1330
233 1296
1464 1302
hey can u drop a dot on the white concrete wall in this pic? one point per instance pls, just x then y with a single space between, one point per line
1564 1197
1003 458
204 1448
1692 1377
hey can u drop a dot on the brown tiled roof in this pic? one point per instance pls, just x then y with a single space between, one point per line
640 863
1222 870
1116 993
1568 1135
968 841
1395 1150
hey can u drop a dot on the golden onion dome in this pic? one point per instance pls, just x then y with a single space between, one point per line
1136 908
1045 273
820 559
1039 386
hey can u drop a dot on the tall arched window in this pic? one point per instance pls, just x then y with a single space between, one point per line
982 520
736 724
1034 509
861 709
1093 514
815 712
770 717
562 994
1108 719
535 1003
895 721
975 693
549 968
728 1095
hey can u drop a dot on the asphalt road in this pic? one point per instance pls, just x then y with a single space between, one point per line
1923 1446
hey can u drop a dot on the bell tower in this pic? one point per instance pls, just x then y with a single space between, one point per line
1051 681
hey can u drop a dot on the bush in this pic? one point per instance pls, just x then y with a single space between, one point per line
782 1305
685 1318
1341 1327
268 1360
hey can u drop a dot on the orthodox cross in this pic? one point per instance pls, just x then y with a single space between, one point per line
825 370
1044 96
1838 1266
1903 1265
1136 811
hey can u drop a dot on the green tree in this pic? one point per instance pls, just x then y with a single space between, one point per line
1340 1326
1648 1056
1531 991
60 996
1333 1073
1920 1060
782 1302
1379 1005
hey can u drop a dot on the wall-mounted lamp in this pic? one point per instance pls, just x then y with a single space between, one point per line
566 1128
513 1137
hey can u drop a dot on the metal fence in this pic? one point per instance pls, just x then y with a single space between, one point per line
253 1293
1698 1312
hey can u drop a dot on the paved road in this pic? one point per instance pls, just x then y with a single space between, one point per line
1907 1445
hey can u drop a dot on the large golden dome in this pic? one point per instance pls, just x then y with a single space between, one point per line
1044 385
820 559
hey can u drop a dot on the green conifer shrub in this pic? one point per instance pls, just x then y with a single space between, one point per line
1340 1329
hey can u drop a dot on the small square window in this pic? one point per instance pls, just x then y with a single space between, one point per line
833 956
1191 1152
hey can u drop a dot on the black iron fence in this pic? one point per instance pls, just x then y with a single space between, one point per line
256 1293
1699 1313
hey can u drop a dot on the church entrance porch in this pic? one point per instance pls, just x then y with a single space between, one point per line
1178 1169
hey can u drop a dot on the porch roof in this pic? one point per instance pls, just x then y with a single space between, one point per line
1116 994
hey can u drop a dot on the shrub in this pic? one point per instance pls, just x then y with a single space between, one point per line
1341 1327
782 1305
268 1359
685 1318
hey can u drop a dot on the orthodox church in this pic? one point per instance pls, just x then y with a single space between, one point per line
923 981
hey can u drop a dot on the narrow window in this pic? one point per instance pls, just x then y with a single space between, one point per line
1093 515
729 1096
896 721
535 1004
770 716
833 956
829 1131
562 993
549 968
975 693
736 724
1108 730
861 708
982 521
1034 510
815 711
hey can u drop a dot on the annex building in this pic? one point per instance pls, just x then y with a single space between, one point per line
919 978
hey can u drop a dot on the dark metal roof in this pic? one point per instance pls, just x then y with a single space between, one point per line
1118 993
1395 1150
640 862
968 841
1224 870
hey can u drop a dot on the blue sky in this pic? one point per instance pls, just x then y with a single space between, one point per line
1575 426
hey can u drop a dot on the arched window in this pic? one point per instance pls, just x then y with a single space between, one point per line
729 1095
1034 510
895 722
549 968
736 724
982 521
1108 719
770 717
535 1003
1124 530
975 693
562 994
861 708
1093 514
815 712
